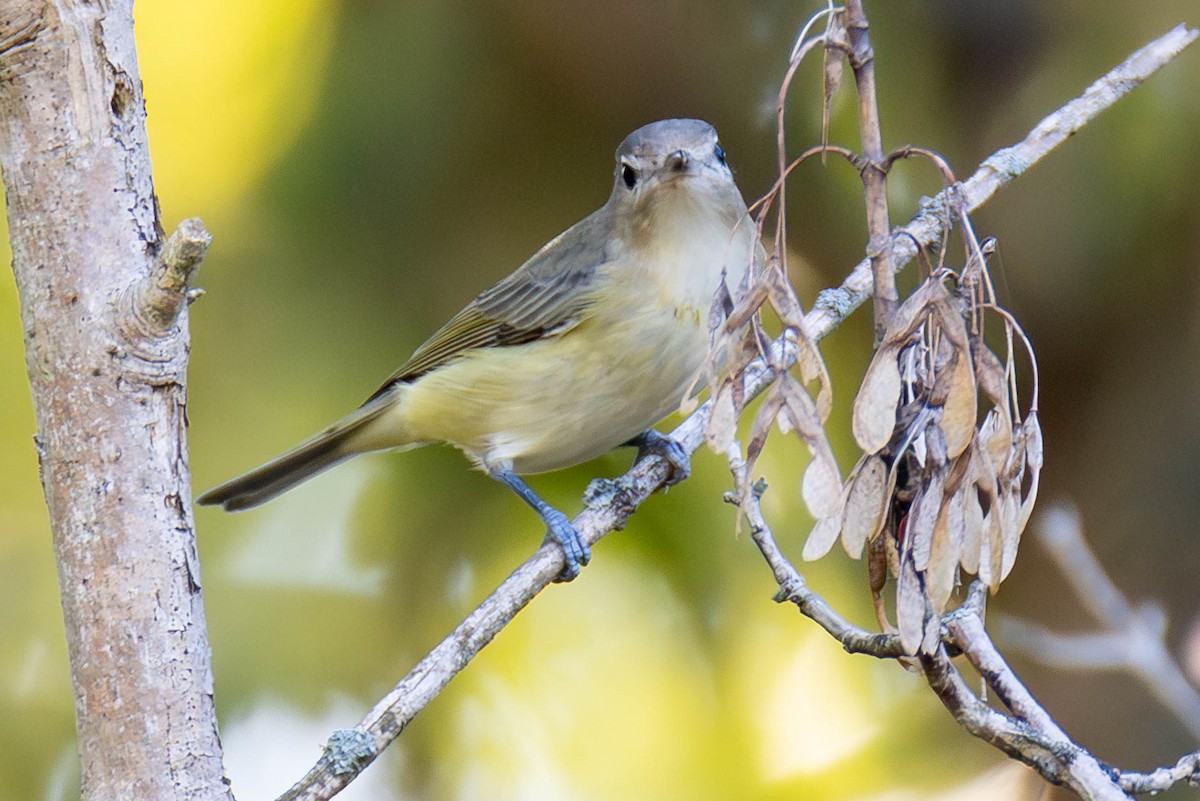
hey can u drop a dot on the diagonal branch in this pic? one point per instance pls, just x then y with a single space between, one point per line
1072 764
611 502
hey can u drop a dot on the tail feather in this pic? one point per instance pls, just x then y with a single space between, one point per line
315 455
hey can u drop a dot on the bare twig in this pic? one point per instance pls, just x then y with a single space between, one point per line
1054 759
1075 767
1187 769
874 173
792 586
350 751
163 293
968 634
1029 734
1132 639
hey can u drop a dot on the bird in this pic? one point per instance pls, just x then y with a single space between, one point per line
584 348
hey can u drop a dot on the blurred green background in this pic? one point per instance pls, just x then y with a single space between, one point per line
367 167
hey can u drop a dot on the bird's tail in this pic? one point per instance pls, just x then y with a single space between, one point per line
315 455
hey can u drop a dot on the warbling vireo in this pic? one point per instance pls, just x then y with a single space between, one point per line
589 343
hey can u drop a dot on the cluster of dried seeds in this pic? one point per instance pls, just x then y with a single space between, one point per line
949 469
938 486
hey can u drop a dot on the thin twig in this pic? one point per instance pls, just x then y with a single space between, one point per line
1079 770
609 508
1029 734
1187 769
968 634
792 587
1057 761
874 173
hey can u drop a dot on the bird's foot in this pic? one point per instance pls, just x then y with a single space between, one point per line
652 442
576 552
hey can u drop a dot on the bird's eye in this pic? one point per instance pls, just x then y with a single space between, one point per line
629 176
719 152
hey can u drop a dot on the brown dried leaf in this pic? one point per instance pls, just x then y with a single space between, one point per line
834 69
866 504
958 415
1034 447
1032 430
793 409
984 566
996 435
801 412
784 300
768 413
728 350
957 472
944 553
1010 533
725 316
892 551
934 446
992 377
991 550
806 418
950 322
972 529
877 570
874 413
922 515
913 311
986 472
722 308
812 368
987 487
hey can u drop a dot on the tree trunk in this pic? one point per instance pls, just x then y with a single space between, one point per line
103 307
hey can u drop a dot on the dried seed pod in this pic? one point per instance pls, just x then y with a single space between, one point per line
866 504
874 414
960 409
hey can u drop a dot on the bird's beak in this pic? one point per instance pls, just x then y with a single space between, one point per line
678 161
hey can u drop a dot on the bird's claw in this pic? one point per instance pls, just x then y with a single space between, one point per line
576 552
652 442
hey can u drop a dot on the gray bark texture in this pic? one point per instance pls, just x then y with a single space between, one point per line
104 312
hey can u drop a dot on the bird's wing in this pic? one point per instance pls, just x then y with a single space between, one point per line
546 296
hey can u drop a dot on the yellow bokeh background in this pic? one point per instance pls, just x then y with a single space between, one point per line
229 86
367 167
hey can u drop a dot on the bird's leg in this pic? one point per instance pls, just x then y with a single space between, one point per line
558 527
650 441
